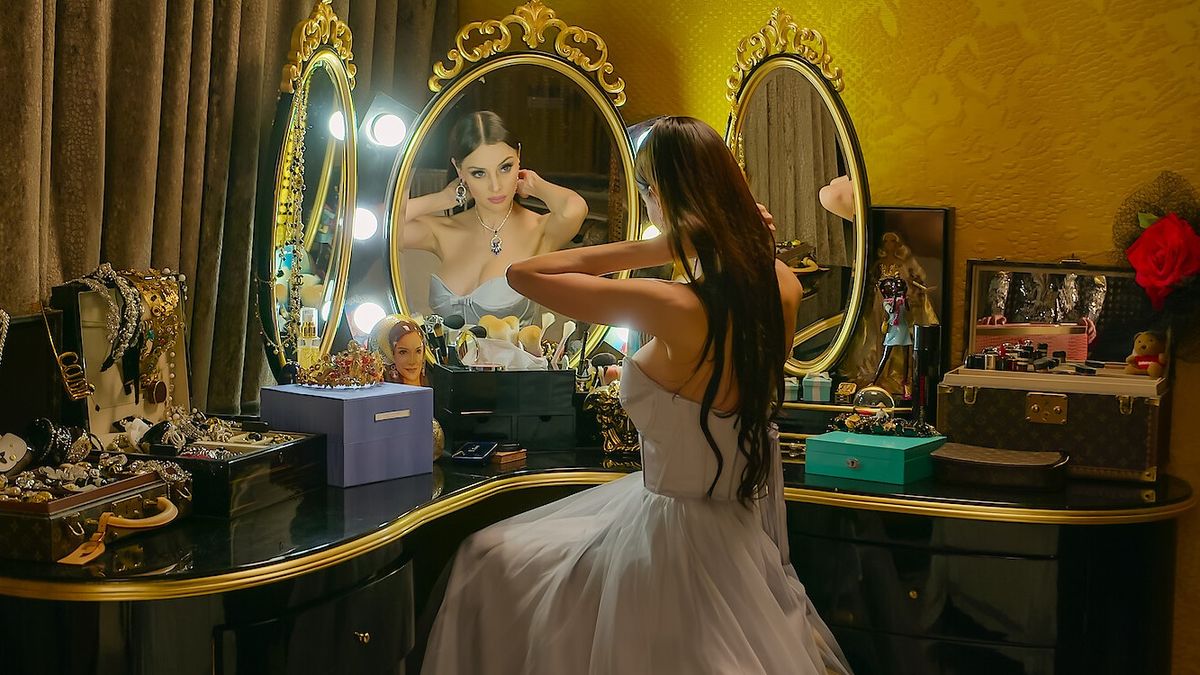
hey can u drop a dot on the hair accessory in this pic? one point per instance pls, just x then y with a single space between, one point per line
460 193
354 368
70 366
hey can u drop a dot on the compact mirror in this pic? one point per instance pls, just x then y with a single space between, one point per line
520 152
307 199
1089 312
792 135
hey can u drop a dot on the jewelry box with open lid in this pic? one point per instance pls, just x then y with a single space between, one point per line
1113 425
248 470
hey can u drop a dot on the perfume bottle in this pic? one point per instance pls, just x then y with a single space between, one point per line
308 346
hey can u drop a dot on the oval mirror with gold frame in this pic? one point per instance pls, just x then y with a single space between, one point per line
796 143
551 86
306 201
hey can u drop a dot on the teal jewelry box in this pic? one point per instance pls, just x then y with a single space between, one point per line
884 459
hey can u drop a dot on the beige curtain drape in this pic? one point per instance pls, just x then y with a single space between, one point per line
134 131
791 151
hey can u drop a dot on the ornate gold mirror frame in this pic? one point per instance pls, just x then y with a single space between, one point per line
320 43
532 35
781 43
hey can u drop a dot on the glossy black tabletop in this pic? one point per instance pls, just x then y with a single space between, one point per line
253 548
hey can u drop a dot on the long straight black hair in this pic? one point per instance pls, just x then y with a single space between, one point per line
707 203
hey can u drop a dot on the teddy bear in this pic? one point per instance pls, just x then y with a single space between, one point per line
1148 357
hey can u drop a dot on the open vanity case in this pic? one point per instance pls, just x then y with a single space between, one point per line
297 575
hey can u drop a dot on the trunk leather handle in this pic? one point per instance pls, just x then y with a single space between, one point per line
94 546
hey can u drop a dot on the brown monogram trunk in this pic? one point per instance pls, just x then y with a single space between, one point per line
1108 436
47 532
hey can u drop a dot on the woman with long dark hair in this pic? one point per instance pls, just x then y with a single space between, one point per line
680 568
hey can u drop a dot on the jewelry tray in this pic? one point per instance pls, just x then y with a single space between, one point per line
258 477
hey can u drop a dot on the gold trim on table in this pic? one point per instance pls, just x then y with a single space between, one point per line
142 589
1000 514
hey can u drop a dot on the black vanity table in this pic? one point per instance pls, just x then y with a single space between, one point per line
923 578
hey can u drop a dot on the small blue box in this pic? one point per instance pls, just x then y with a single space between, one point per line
817 387
884 459
374 434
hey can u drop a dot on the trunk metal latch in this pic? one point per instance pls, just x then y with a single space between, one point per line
1046 408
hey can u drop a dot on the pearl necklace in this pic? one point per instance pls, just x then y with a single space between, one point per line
497 243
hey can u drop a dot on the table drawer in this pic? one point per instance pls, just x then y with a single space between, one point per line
917 592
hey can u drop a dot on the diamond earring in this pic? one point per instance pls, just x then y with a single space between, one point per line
460 193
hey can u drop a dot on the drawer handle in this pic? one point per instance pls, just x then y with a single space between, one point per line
852 463
913 594
363 637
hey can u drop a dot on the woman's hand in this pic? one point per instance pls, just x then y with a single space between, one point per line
449 193
767 217
528 183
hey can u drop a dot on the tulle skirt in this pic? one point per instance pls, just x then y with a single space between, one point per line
619 579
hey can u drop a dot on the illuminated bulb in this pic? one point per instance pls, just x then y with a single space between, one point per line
337 125
365 224
388 130
365 316
650 232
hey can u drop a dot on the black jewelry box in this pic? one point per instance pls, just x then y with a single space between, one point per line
30 374
227 488
532 407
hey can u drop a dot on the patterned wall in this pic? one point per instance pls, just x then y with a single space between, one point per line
1034 119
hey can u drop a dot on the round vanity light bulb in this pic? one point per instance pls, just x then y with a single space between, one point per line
365 224
365 316
337 125
388 130
651 231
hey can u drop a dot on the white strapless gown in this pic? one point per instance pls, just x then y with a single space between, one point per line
645 574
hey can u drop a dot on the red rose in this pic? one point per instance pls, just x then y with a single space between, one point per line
1167 253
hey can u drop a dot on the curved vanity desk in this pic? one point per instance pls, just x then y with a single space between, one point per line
926 578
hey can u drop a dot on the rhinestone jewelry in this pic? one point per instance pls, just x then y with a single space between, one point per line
497 243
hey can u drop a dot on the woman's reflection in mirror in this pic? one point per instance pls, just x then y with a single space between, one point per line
477 228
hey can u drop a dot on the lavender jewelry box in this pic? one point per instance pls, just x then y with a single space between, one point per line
374 434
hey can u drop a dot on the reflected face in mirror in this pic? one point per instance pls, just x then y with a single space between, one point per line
490 174
538 162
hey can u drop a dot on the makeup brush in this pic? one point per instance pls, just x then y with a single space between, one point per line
568 331
439 343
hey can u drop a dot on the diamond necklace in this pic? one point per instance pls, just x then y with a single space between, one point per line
497 244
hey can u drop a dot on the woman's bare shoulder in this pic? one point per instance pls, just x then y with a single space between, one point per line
790 289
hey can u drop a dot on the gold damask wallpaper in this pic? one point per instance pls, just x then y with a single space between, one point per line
1034 119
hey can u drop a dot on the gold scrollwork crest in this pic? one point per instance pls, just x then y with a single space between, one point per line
321 28
781 35
480 40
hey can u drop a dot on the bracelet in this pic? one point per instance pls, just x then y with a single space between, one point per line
4 321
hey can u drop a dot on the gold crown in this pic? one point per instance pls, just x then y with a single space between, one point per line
355 367
889 270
